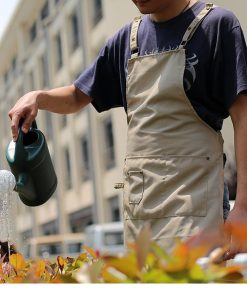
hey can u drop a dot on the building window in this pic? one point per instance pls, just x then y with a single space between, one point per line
85 158
59 52
25 236
109 145
6 77
44 71
97 11
31 81
75 31
50 228
14 64
33 32
68 177
45 11
49 126
114 210
80 219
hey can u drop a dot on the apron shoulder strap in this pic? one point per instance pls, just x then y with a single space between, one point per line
194 25
133 37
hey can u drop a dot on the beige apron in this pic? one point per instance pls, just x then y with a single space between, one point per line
173 174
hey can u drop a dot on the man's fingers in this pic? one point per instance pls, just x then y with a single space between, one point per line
235 247
229 255
27 123
23 123
15 126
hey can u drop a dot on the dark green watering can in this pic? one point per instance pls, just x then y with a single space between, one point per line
30 162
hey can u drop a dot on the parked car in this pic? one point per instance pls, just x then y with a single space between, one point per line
106 238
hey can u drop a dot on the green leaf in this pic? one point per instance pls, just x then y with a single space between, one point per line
197 274
157 276
151 261
90 251
39 268
111 275
61 262
126 265
65 279
82 257
17 261
159 252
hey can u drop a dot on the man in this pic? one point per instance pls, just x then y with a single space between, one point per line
178 71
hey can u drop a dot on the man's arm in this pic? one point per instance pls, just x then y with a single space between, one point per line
63 100
238 215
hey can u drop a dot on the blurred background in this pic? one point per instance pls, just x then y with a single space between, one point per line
46 44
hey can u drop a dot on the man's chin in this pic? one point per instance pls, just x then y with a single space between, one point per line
145 11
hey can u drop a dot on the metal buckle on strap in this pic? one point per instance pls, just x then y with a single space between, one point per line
119 185
183 43
209 6
135 50
195 23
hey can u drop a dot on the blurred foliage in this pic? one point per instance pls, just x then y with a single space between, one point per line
144 262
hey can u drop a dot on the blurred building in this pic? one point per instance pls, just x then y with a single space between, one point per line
47 44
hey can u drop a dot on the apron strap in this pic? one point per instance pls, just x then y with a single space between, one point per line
133 37
194 25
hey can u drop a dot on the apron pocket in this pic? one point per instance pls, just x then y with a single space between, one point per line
135 181
156 187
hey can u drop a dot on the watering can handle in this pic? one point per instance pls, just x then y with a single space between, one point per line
34 124
20 152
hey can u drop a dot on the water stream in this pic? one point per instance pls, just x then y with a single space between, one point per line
7 233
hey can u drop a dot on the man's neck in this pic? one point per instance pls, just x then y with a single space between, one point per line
173 9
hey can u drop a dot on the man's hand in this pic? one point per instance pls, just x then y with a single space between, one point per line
62 100
236 220
26 108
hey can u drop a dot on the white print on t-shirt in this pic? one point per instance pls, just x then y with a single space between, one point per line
190 70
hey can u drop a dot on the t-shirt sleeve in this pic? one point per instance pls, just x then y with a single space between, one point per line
234 66
101 81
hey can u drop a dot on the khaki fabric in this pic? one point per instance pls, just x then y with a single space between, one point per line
173 173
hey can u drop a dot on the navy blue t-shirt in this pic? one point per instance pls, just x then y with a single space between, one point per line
216 62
